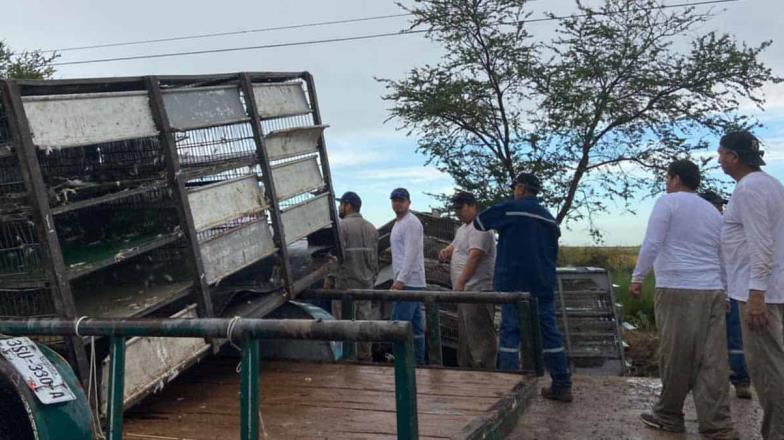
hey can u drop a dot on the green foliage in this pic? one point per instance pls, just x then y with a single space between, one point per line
598 111
25 65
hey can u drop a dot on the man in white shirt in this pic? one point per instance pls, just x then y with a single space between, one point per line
472 257
682 245
407 240
753 248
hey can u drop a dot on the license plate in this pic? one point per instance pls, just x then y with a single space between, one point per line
37 370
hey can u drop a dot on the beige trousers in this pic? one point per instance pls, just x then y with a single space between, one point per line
693 357
765 358
477 344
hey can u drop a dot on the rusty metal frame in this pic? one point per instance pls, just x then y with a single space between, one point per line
279 236
325 170
176 182
53 261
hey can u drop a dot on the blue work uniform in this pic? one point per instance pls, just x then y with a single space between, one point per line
525 262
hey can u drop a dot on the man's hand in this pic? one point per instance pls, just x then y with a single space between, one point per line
635 290
758 319
397 285
459 286
445 254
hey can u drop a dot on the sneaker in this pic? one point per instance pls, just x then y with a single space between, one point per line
557 394
654 422
743 391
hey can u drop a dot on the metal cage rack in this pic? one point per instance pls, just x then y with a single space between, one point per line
122 197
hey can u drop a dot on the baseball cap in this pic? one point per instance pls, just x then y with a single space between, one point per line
351 198
746 145
462 198
713 197
400 193
529 180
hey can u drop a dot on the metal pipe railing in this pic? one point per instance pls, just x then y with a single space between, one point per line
527 311
248 332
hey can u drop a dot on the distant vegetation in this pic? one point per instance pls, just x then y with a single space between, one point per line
620 262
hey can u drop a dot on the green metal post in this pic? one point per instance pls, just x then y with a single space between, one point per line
434 352
405 390
348 312
116 388
536 336
250 389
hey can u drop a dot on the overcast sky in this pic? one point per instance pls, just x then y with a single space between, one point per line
367 155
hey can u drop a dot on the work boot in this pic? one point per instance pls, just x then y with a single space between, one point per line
727 434
655 422
743 391
557 394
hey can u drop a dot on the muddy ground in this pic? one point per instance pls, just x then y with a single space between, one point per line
609 408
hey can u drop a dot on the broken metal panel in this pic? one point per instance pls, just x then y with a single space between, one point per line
305 218
221 202
237 249
279 100
297 177
203 107
281 144
60 121
151 363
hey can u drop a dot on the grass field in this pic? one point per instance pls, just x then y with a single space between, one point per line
620 262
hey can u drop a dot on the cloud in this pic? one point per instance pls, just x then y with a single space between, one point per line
411 175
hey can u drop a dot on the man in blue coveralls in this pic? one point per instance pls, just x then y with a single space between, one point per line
526 260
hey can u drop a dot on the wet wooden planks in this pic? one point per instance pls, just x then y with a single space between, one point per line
308 400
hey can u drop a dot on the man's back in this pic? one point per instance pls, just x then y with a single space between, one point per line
753 238
682 242
527 245
360 248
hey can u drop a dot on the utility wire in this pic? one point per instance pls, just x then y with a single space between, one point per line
224 34
339 39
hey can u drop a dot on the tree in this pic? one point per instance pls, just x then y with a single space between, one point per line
597 111
25 65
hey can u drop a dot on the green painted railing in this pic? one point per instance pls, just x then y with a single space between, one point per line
247 332
527 312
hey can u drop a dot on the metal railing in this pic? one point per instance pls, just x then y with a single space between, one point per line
247 332
527 312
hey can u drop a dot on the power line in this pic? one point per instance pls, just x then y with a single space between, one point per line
224 34
336 40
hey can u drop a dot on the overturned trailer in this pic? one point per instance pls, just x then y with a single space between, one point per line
183 196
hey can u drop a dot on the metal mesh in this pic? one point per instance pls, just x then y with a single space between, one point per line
212 146
93 233
28 303
20 252
229 226
78 173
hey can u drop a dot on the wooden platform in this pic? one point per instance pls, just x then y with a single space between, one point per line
329 401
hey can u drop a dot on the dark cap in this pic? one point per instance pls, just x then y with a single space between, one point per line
529 180
351 198
400 193
713 198
746 145
462 198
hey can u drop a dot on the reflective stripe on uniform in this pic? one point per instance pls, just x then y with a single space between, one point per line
528 214
508 350
736 351
419 336
553 350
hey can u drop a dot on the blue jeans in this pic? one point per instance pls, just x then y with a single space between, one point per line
738 373
412 312
552 343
